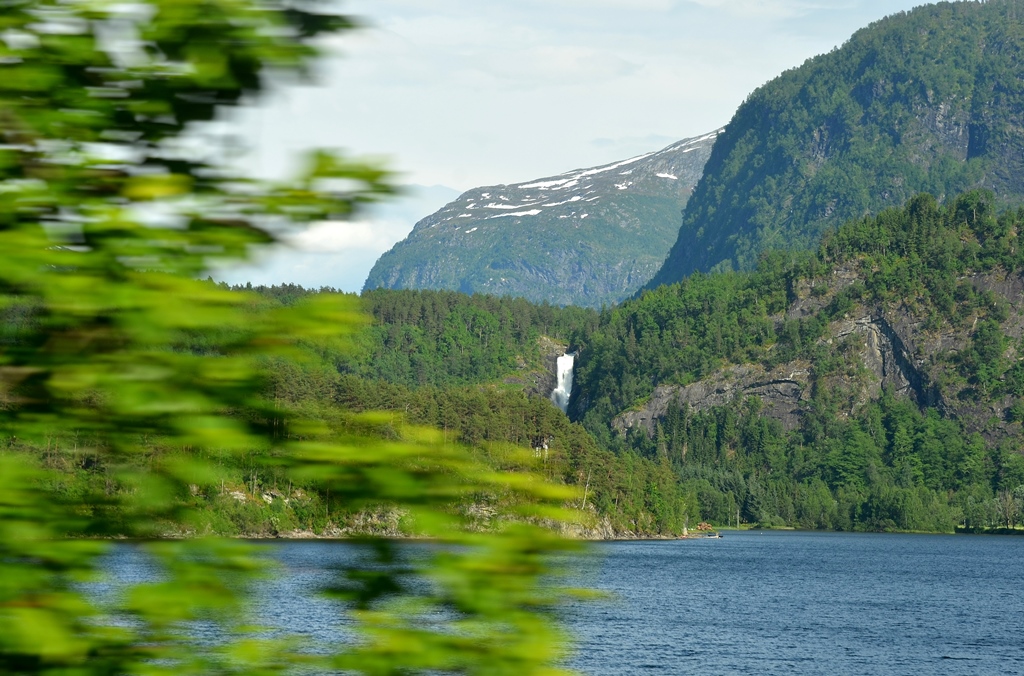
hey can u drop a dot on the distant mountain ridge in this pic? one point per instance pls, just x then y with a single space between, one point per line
924 101
587 237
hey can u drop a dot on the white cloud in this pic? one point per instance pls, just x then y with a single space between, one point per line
335 254
345 270
338 236
339 254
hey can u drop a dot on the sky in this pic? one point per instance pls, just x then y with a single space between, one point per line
455 94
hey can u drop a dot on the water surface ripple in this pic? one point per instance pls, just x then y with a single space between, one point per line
804 603
749 603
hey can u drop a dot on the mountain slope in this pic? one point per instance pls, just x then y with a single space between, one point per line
876 384
929 100
587 237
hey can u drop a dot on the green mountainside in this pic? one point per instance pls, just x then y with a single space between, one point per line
589 237
876 384
925 101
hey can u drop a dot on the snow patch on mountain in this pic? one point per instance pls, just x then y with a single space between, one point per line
531 212
492 205
574 198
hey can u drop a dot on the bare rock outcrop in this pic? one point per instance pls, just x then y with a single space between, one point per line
781 390
890 353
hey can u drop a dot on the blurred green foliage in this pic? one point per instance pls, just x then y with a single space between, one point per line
116 361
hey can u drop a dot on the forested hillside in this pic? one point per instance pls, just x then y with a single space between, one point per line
925 101
479 369
874 384
447 338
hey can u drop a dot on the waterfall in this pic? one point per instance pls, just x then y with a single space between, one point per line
563 389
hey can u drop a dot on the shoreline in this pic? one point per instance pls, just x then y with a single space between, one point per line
311 537
570 534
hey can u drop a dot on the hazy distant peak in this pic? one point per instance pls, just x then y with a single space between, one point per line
588 236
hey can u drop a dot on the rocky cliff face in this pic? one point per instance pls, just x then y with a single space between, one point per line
781 390
588 237
884 349
878 349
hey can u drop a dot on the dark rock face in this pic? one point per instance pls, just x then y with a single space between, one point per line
588 237
886 356
781 390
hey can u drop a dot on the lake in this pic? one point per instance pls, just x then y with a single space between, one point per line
749 603
806 603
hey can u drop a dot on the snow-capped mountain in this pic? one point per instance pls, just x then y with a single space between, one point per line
586 237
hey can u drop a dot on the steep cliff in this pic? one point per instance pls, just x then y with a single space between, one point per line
882 350
928 100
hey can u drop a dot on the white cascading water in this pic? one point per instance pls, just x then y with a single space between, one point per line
563 389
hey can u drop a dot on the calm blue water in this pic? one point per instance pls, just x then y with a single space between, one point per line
750 603
806 603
